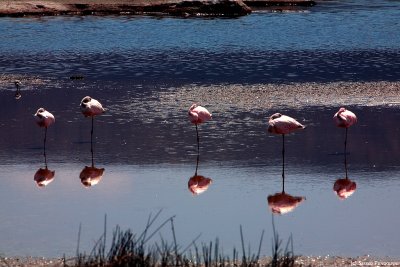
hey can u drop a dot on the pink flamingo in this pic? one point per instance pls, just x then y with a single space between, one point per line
197 115
44 119
282 124
344 119
90 107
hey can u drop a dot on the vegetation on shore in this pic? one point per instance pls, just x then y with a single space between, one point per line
130 249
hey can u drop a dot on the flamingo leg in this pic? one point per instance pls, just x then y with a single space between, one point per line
283 163
345 153
197 164
91 142
198 140
44 146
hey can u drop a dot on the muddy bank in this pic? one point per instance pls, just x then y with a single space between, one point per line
254 96
180 8
286 96
229 8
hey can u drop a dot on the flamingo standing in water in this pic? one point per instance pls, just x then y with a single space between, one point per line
44 119
282 124
90 107
197 115
344 119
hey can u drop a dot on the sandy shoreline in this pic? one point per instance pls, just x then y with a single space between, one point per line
289 96
258 96
312 261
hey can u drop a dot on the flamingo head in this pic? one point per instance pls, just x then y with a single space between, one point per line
341 110
275 116
193 106
39 113
44 118
85 101
193 116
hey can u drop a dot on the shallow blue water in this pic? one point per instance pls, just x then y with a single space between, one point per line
147 148
333 41
330 27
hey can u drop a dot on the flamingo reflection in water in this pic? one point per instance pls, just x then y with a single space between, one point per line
282 203
198 184
344 187
90 176
44 176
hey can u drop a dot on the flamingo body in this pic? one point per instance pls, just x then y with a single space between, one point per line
44 118
198 114
282 124
344 118
90 107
